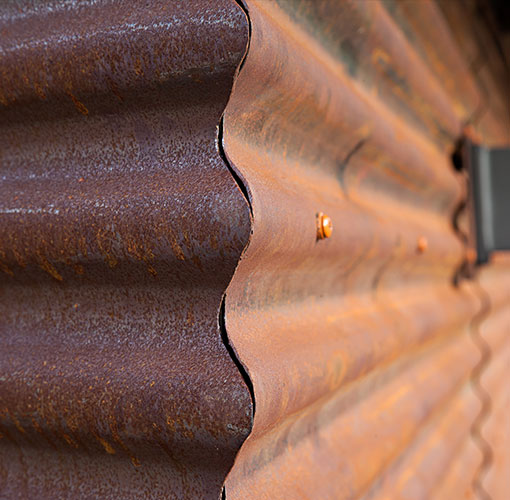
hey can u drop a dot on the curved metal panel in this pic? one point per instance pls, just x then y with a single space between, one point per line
360 347
374 372
120 228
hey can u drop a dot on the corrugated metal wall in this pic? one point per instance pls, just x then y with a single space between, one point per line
120 228
371 368
168 315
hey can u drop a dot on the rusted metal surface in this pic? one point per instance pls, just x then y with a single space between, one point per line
120 228
492 429
139 285
362 352
364 40
487 68
451 60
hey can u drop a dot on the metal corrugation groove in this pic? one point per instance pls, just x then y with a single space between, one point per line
492 122
360 348
374 52
493 429
497 431
428 32
458 480
419 472
120 228
434 39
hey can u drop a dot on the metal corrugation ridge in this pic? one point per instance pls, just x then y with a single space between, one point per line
486 65
120 228
360 348
492 429
363 38
336 366
497 432
427 30
420 472
458 481
497 428
430 456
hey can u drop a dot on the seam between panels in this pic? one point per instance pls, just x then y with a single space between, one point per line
244 190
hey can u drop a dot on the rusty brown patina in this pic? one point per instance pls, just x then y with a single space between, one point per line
120 228
175 308
363 353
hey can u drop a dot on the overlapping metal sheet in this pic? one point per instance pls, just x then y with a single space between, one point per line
120 228
168 313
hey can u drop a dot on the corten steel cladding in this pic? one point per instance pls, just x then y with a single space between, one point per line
269 297
120 229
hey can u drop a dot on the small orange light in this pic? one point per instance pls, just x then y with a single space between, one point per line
324 226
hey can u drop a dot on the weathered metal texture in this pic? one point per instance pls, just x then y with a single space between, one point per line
362 37
427 30
120 228
360 348
483 56
426 470
493 431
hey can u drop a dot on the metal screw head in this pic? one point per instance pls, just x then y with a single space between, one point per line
471 255
422 244
324 226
